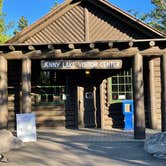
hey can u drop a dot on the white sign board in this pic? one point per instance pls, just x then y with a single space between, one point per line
26 127
80 64
122 97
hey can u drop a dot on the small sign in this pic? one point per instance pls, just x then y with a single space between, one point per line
64 96
80 64
88 95
127 108
122 97
26 127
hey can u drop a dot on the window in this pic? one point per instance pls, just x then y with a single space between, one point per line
122 85
48 90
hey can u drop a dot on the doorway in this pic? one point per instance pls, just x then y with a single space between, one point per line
88 102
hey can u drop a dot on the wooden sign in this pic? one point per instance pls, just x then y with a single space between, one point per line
80 64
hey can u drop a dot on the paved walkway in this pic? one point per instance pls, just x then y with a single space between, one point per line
85 147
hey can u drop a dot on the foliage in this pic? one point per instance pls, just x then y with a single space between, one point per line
21 24
3 27
155 18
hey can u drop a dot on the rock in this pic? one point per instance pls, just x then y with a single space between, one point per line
160 156
156 145
3 159
8 141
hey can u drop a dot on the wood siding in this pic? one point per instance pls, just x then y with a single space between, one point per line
84 24
108 27
106 119
49 116
67 28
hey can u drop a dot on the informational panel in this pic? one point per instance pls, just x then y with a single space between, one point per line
128 112
80 64
26 127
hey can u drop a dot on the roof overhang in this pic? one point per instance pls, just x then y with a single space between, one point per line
85 50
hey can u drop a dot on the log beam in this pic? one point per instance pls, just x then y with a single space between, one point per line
116 53
131 44
139 113
91 45
26 85
163 99
31 48
91 53
152 43
71 46
94 53
13 55
3 93
152 51
110 44
12 48
50 47
35 54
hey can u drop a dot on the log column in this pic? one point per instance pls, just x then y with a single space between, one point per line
3 93
26 85
152 106
139 113
163 99
102 104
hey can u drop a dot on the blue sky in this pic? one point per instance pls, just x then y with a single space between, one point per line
35 9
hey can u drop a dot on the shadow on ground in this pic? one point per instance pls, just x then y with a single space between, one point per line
83 147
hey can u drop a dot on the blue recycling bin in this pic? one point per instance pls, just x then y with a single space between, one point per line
128 112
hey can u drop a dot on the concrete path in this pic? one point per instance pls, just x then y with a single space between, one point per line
86 147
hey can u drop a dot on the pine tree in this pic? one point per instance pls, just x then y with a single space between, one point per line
157 17
21 24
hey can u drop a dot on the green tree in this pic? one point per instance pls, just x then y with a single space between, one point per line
3 36
155 18
21 24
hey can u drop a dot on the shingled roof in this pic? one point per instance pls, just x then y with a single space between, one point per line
85 20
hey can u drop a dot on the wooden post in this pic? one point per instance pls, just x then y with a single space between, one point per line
139 113
26 85
95 105
3 93
102 104
152 106
80 106
163 99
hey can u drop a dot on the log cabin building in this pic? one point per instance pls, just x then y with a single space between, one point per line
76 65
